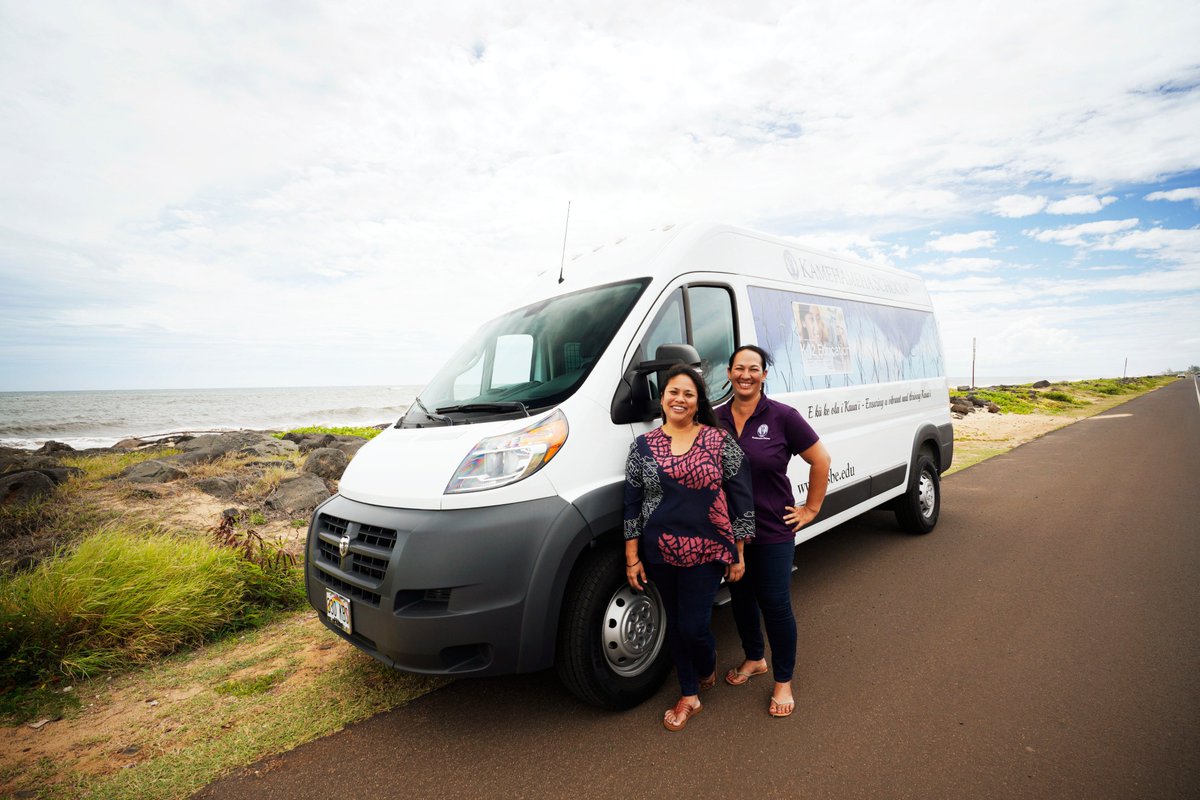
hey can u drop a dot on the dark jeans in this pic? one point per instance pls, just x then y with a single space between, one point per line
688 594
766 590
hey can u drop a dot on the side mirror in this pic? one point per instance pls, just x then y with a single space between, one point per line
633 401
667 356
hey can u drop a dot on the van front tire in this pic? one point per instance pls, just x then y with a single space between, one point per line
918 508
612 649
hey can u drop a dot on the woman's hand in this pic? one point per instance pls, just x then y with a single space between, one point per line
798 516
734 572
636 575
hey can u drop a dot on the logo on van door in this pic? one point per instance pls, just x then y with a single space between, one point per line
762 432
789 261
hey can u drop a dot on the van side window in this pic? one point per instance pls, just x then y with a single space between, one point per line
701 316
711 315
669 326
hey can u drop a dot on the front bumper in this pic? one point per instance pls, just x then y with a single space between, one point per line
468 591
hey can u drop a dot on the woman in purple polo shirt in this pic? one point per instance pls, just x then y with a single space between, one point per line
770 433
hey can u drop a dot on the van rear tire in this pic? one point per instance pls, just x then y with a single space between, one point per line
918 508
612 649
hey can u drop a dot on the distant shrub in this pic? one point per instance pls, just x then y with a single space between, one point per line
366 433
1010 402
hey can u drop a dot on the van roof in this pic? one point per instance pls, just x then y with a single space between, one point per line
664 253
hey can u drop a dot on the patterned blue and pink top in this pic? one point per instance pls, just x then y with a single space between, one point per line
688 509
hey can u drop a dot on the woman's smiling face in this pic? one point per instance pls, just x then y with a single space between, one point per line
747 375
679 401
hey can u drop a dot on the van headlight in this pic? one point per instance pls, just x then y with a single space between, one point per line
501 460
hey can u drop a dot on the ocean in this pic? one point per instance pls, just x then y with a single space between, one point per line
100 419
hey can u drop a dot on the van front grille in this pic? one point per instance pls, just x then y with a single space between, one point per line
334 525
376 536
348 589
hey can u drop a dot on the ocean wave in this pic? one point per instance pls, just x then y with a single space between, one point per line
49 429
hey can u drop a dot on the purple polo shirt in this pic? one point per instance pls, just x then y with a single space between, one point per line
774 433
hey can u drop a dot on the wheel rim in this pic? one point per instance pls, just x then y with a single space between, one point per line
927 495
632 630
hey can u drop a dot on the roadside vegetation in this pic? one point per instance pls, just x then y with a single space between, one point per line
157 639
1045 408
1063 397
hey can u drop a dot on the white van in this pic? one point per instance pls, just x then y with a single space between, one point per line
481 534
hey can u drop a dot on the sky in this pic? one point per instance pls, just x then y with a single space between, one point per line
224 194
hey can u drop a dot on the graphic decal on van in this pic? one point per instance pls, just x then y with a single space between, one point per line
826 342
824 347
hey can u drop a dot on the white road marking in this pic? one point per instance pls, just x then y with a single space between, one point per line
1110 416
1196 383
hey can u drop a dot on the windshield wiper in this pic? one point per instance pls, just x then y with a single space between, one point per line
499 405
426 412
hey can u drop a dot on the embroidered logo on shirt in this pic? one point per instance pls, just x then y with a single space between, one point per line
762 432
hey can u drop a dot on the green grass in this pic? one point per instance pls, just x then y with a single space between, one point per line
247 687
366 433
1064 396
123 597
1010 402
105 465
226 722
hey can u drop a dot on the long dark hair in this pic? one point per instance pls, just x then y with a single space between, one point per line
704 410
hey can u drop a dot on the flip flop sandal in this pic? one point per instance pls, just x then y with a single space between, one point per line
709 682
779 710
735 677
683 712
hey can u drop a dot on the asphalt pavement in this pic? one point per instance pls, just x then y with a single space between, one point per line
1043 641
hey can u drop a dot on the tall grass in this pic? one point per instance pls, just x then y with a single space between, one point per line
123 597
97 466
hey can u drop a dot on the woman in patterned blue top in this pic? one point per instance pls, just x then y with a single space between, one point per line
690 506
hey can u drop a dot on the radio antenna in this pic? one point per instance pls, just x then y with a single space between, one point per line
562 261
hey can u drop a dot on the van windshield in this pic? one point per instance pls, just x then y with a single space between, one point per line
527 360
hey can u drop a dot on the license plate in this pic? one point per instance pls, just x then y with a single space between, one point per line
338 609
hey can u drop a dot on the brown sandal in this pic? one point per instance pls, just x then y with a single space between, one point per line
683 712
709 682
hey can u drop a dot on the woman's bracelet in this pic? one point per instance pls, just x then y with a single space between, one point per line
634 564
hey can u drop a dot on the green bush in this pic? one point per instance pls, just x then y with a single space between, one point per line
124 597
1009 402
366 433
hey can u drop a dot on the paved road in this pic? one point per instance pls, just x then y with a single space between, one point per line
1044 641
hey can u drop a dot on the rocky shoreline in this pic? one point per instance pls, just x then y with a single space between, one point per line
26 476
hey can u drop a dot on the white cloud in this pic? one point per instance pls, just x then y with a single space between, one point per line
166 167
962 242
1178 246
1077 235
1080 204
1019 205
1190 193
959 266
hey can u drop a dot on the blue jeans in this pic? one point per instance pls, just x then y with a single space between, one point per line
688 594
766 590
